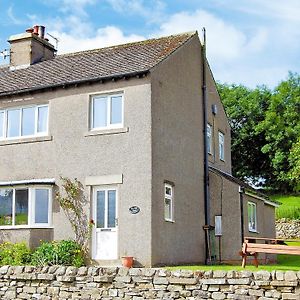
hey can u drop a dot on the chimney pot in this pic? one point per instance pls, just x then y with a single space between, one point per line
36 29
41 32
29 30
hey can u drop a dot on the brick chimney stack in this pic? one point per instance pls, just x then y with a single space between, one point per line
30 48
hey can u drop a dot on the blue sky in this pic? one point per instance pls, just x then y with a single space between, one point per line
252 42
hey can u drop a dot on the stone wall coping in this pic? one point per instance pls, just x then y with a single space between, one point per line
61 282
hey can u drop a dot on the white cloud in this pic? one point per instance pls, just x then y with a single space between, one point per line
152 10
225 42
106 36
12 17
288 10
76 7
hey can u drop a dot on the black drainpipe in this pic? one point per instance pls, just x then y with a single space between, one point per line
242 191
206 187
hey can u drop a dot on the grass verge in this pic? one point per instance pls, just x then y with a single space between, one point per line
284 263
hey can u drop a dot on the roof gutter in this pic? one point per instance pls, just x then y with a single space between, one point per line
76 82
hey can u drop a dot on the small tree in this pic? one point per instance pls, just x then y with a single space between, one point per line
73 201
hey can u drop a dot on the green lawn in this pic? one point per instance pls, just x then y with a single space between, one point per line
284 263
289 208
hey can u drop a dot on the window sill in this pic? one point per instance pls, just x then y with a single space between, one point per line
107 131
26 140
25 227
253 231
169 221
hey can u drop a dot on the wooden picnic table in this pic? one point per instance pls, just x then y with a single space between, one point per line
252 246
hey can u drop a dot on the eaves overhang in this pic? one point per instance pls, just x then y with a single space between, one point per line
75 83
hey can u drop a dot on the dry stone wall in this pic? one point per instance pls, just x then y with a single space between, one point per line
289 229
119 283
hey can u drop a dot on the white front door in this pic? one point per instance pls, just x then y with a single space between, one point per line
105 237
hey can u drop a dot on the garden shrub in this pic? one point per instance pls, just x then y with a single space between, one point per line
14 254
65 252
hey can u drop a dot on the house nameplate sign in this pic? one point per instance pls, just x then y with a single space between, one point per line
134 210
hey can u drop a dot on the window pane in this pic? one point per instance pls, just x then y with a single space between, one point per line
1 123
41 206
28 121
168 191
168 209
21 213
111 209
13 123
100 209
209 138
221 145
42 119
6 198
100 112
116 110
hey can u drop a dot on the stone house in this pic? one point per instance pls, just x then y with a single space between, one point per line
129 123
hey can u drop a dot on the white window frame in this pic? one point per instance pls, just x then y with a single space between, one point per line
31 207
105 189
5 137
221 146
171 199
209 138
108 112
252 219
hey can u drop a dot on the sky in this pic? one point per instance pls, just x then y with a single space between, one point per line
249 42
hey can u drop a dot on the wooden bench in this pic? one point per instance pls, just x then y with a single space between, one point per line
253 246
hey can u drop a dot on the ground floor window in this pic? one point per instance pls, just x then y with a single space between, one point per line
25 206
252 219
169 202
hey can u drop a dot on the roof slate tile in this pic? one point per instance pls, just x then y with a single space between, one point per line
90 65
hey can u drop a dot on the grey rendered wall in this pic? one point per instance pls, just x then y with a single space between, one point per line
219 122
265 223
71 153
225 201
177 155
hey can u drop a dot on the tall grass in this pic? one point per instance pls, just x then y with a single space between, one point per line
289 208
291 213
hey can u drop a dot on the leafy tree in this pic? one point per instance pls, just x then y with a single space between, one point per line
294 160
281 127
245 109
265 132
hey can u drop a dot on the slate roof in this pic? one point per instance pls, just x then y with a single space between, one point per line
111 62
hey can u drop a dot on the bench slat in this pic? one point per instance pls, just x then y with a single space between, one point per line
251 246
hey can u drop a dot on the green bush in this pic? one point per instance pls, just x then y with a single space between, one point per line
66 252
14 254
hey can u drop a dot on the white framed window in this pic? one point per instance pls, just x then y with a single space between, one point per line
25 207
107 111
252 217
106 207
27 121
169 202
209 138
221 146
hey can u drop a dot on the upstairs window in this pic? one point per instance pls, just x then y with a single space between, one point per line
107 111
221 146
23 122
25 207
209 138
169 202
252 218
